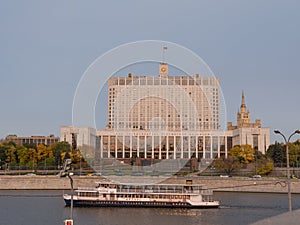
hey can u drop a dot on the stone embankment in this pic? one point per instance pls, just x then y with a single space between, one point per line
238 184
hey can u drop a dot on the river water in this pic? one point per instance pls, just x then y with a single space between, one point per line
47 208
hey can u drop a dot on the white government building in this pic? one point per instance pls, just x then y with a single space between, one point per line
166 117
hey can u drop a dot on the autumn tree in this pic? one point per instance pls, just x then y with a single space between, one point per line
57 150
245 153
10 153
33 157
294 153
264 166
45 155
228 164
23 155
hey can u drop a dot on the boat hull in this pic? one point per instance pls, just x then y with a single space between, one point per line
154 204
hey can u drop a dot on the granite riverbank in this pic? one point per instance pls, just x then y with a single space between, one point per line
238 184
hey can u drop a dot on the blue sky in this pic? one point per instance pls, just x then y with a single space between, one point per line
45 47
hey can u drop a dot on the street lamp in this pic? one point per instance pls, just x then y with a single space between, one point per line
288 164
65 173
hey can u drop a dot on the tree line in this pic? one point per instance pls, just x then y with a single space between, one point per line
31 156
246 157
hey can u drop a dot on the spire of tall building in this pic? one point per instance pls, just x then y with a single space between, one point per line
243 116
243 104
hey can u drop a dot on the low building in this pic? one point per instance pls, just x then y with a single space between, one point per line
170 144
82 138
37 140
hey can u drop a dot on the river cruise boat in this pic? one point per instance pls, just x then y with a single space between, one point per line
143 195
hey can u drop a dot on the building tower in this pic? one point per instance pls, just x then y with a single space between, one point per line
163 70
243 116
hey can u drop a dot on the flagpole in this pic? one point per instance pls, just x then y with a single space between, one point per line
163 55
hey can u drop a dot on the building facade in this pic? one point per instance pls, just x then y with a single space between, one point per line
167 117
161 102
82 138
37 140
249 133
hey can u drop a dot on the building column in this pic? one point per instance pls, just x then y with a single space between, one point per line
159 153
123 147
130 147
116 147
145 154
189 146
138 146
108 146
219 151
196 150
174 157
101 147
181 153
211 147
204 147
167 151
152 154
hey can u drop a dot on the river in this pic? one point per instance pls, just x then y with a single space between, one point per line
47 208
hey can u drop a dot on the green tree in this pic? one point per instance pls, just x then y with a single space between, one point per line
76 156
277 153
33 158
228 164
2 154
294 153
10 153
245 153
264 166
23 155
30 145
57 150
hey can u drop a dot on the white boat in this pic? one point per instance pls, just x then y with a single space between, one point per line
143 195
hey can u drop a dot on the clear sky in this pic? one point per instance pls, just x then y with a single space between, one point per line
45 47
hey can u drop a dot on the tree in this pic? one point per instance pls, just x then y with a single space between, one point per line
277 153
23 155
10 153
57 150
228 164
245 153
44 152
264 166
33 158
294 153
44 156
2 154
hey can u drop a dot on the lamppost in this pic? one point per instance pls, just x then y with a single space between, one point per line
65 173
288 164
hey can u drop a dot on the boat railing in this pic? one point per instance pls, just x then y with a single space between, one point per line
86 189
158 190
206 192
